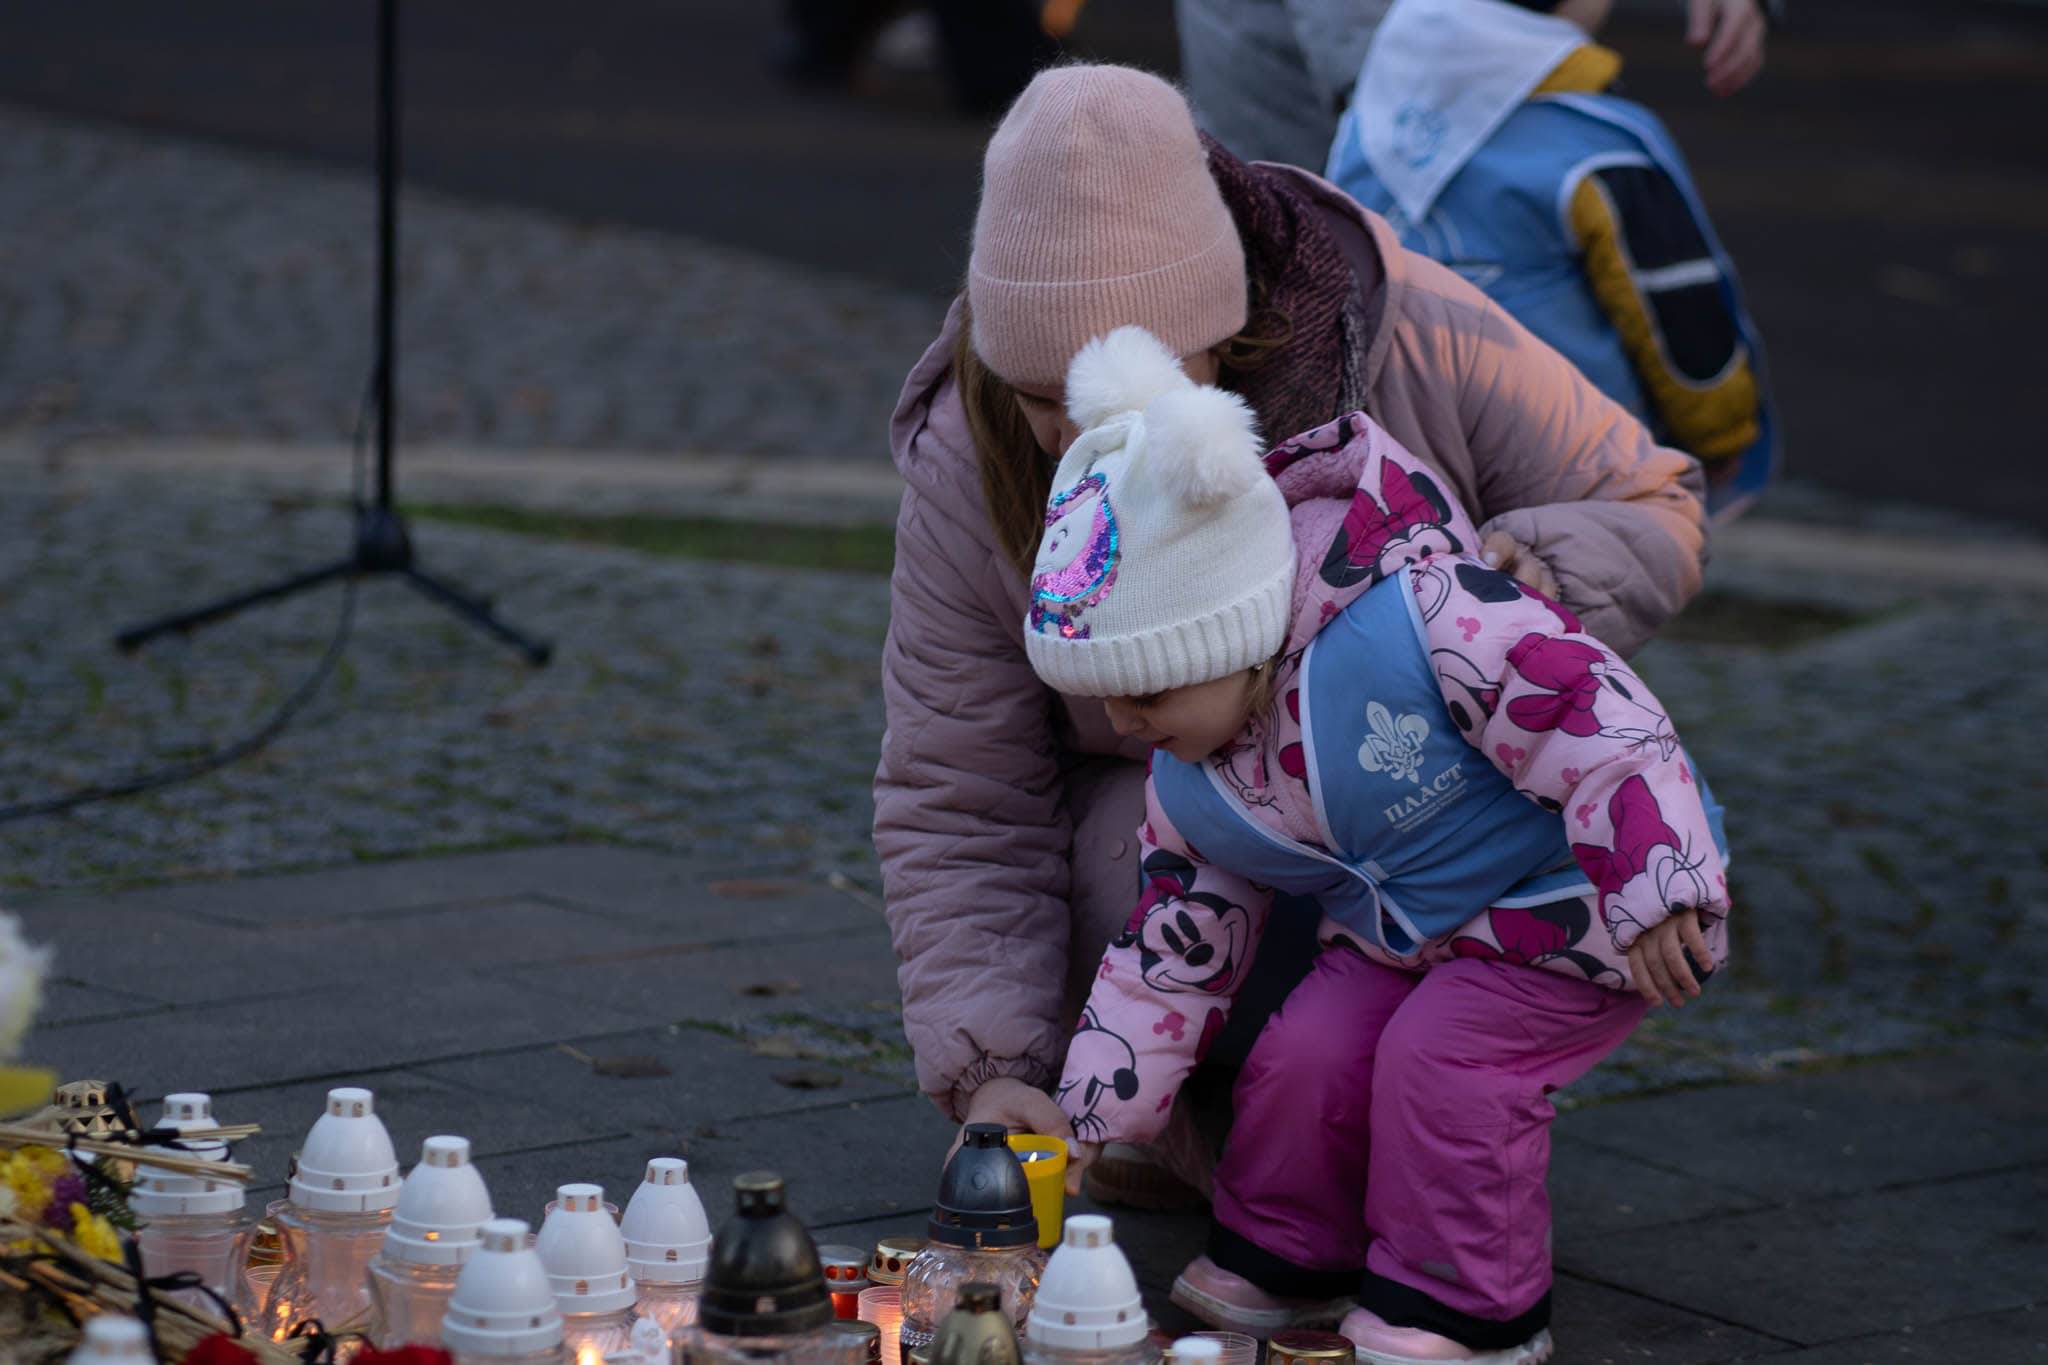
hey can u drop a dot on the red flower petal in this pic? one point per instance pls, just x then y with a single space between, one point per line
221 1349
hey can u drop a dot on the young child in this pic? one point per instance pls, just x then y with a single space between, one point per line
1511 852
1487 134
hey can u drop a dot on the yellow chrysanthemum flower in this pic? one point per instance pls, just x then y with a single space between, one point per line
28 1173
94 1234
47 1161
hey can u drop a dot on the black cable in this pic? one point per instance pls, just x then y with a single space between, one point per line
256 739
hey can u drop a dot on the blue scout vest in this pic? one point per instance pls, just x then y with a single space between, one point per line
1499 222
1426 831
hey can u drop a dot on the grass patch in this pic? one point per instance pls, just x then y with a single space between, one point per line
1716 617
1828 919
855 549
716 1027
892 1047
93 684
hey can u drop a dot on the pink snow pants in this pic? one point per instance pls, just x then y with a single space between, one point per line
1392 1130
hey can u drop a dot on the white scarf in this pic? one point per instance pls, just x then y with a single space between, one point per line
1440 76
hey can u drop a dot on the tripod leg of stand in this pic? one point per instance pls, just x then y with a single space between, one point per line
479 614
137 636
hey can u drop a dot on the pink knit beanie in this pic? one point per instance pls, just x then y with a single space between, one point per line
1097 211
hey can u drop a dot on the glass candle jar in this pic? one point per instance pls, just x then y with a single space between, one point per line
331 1225
671 1307
190 1223
326 1268
933 1283
590 1337
435 1229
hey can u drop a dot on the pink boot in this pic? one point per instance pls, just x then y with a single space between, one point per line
1380 1344
1234 1304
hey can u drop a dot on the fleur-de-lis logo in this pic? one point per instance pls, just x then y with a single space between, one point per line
1395 746
1419 133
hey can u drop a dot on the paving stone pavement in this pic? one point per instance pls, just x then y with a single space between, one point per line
712 708
153 286
1874 1212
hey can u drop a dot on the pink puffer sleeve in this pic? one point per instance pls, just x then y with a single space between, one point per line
1163 991
973 838
1576 731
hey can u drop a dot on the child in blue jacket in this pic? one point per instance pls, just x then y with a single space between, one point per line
1487 133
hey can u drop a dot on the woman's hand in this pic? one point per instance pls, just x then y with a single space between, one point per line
1511 556
1732 32
1018 1107
1657 959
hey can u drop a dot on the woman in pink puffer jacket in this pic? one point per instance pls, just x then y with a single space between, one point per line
1006 814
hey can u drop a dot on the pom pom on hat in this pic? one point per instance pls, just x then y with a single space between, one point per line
1122 372
1212 435
1205 445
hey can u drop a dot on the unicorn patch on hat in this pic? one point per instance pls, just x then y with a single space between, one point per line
1076 565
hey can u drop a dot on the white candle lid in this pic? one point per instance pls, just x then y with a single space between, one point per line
584 1253
1088 1298
668 1237
503 1304
347 1165
442 1205
1196 1351
113 1340
159 1193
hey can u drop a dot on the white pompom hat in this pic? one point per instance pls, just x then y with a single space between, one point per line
1168 557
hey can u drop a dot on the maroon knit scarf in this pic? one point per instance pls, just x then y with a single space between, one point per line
1302 288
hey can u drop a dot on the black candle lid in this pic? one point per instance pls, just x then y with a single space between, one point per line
984 1200
764 1279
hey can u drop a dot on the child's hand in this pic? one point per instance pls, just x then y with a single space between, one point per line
1657 961
1732 32
1080 1156
1511 556
1018 1107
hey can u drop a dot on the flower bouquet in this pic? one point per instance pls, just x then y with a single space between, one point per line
67 1251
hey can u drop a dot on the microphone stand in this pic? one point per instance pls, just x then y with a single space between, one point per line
382 543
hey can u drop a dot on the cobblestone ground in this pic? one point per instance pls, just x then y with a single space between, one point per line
1891 870
159 287
718 708
1891 865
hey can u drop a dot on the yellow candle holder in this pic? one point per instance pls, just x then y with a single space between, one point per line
1045 1174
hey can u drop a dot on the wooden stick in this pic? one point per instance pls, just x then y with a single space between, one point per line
20 1136
221 1132
87 1286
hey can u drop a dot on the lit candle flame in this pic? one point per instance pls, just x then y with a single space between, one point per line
589 1355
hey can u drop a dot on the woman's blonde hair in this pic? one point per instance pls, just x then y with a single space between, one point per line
1016 475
